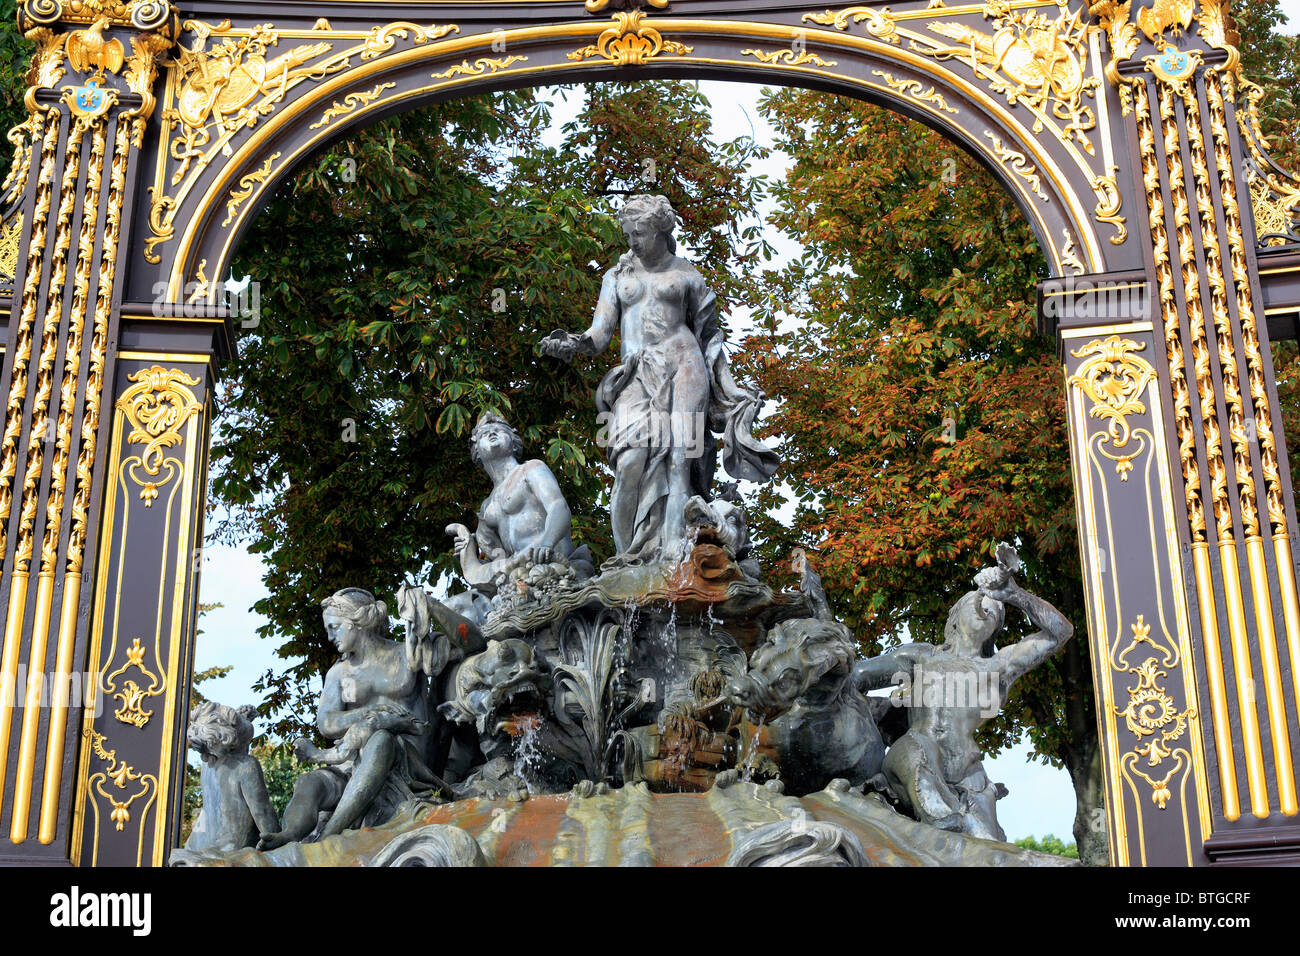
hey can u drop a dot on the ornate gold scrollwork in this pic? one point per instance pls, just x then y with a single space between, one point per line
202 284
1109 203
381 39
1069 255
1274 192
246 186
10 244
141 14
478 67
156 407
1150 711
220 87
787 58
121 774
1033 59
629 42
913 89
880 23
1017 163
1114 378
226 88
133 695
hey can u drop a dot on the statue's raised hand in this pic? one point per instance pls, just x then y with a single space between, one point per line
996 584
462 538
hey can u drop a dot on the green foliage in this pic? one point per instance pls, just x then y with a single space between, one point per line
922 414
15 58
211 673
378 319
280 768
1050 844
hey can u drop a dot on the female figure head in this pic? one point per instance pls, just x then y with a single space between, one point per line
492 436
351 615
648 222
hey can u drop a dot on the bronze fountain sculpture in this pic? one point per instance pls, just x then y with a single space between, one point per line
671 707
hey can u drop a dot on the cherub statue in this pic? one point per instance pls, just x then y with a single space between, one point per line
934 770
236 808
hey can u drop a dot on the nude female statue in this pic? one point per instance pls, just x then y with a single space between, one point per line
672 390
374 704
525 520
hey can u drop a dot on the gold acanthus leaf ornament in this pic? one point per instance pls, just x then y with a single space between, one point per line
788 57
483 64
1017 163
1109 202
1114 378
629 42
156 407
915 90
246 186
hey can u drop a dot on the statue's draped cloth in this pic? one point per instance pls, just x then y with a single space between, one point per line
637 397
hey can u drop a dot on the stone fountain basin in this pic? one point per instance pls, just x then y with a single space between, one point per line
634 827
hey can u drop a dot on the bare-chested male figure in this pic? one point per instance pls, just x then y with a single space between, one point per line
934 770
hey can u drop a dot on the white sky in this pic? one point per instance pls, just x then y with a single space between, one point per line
1040 801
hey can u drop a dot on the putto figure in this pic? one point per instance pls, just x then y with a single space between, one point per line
934 770
236 808
374 704
671 392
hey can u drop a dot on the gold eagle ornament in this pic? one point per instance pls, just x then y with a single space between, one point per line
88 50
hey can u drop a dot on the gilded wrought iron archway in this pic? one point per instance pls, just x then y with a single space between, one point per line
1126 135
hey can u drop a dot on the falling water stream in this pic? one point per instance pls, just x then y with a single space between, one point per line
751 756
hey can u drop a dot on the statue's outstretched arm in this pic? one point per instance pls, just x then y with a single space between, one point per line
1054 629
883 671
566 346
